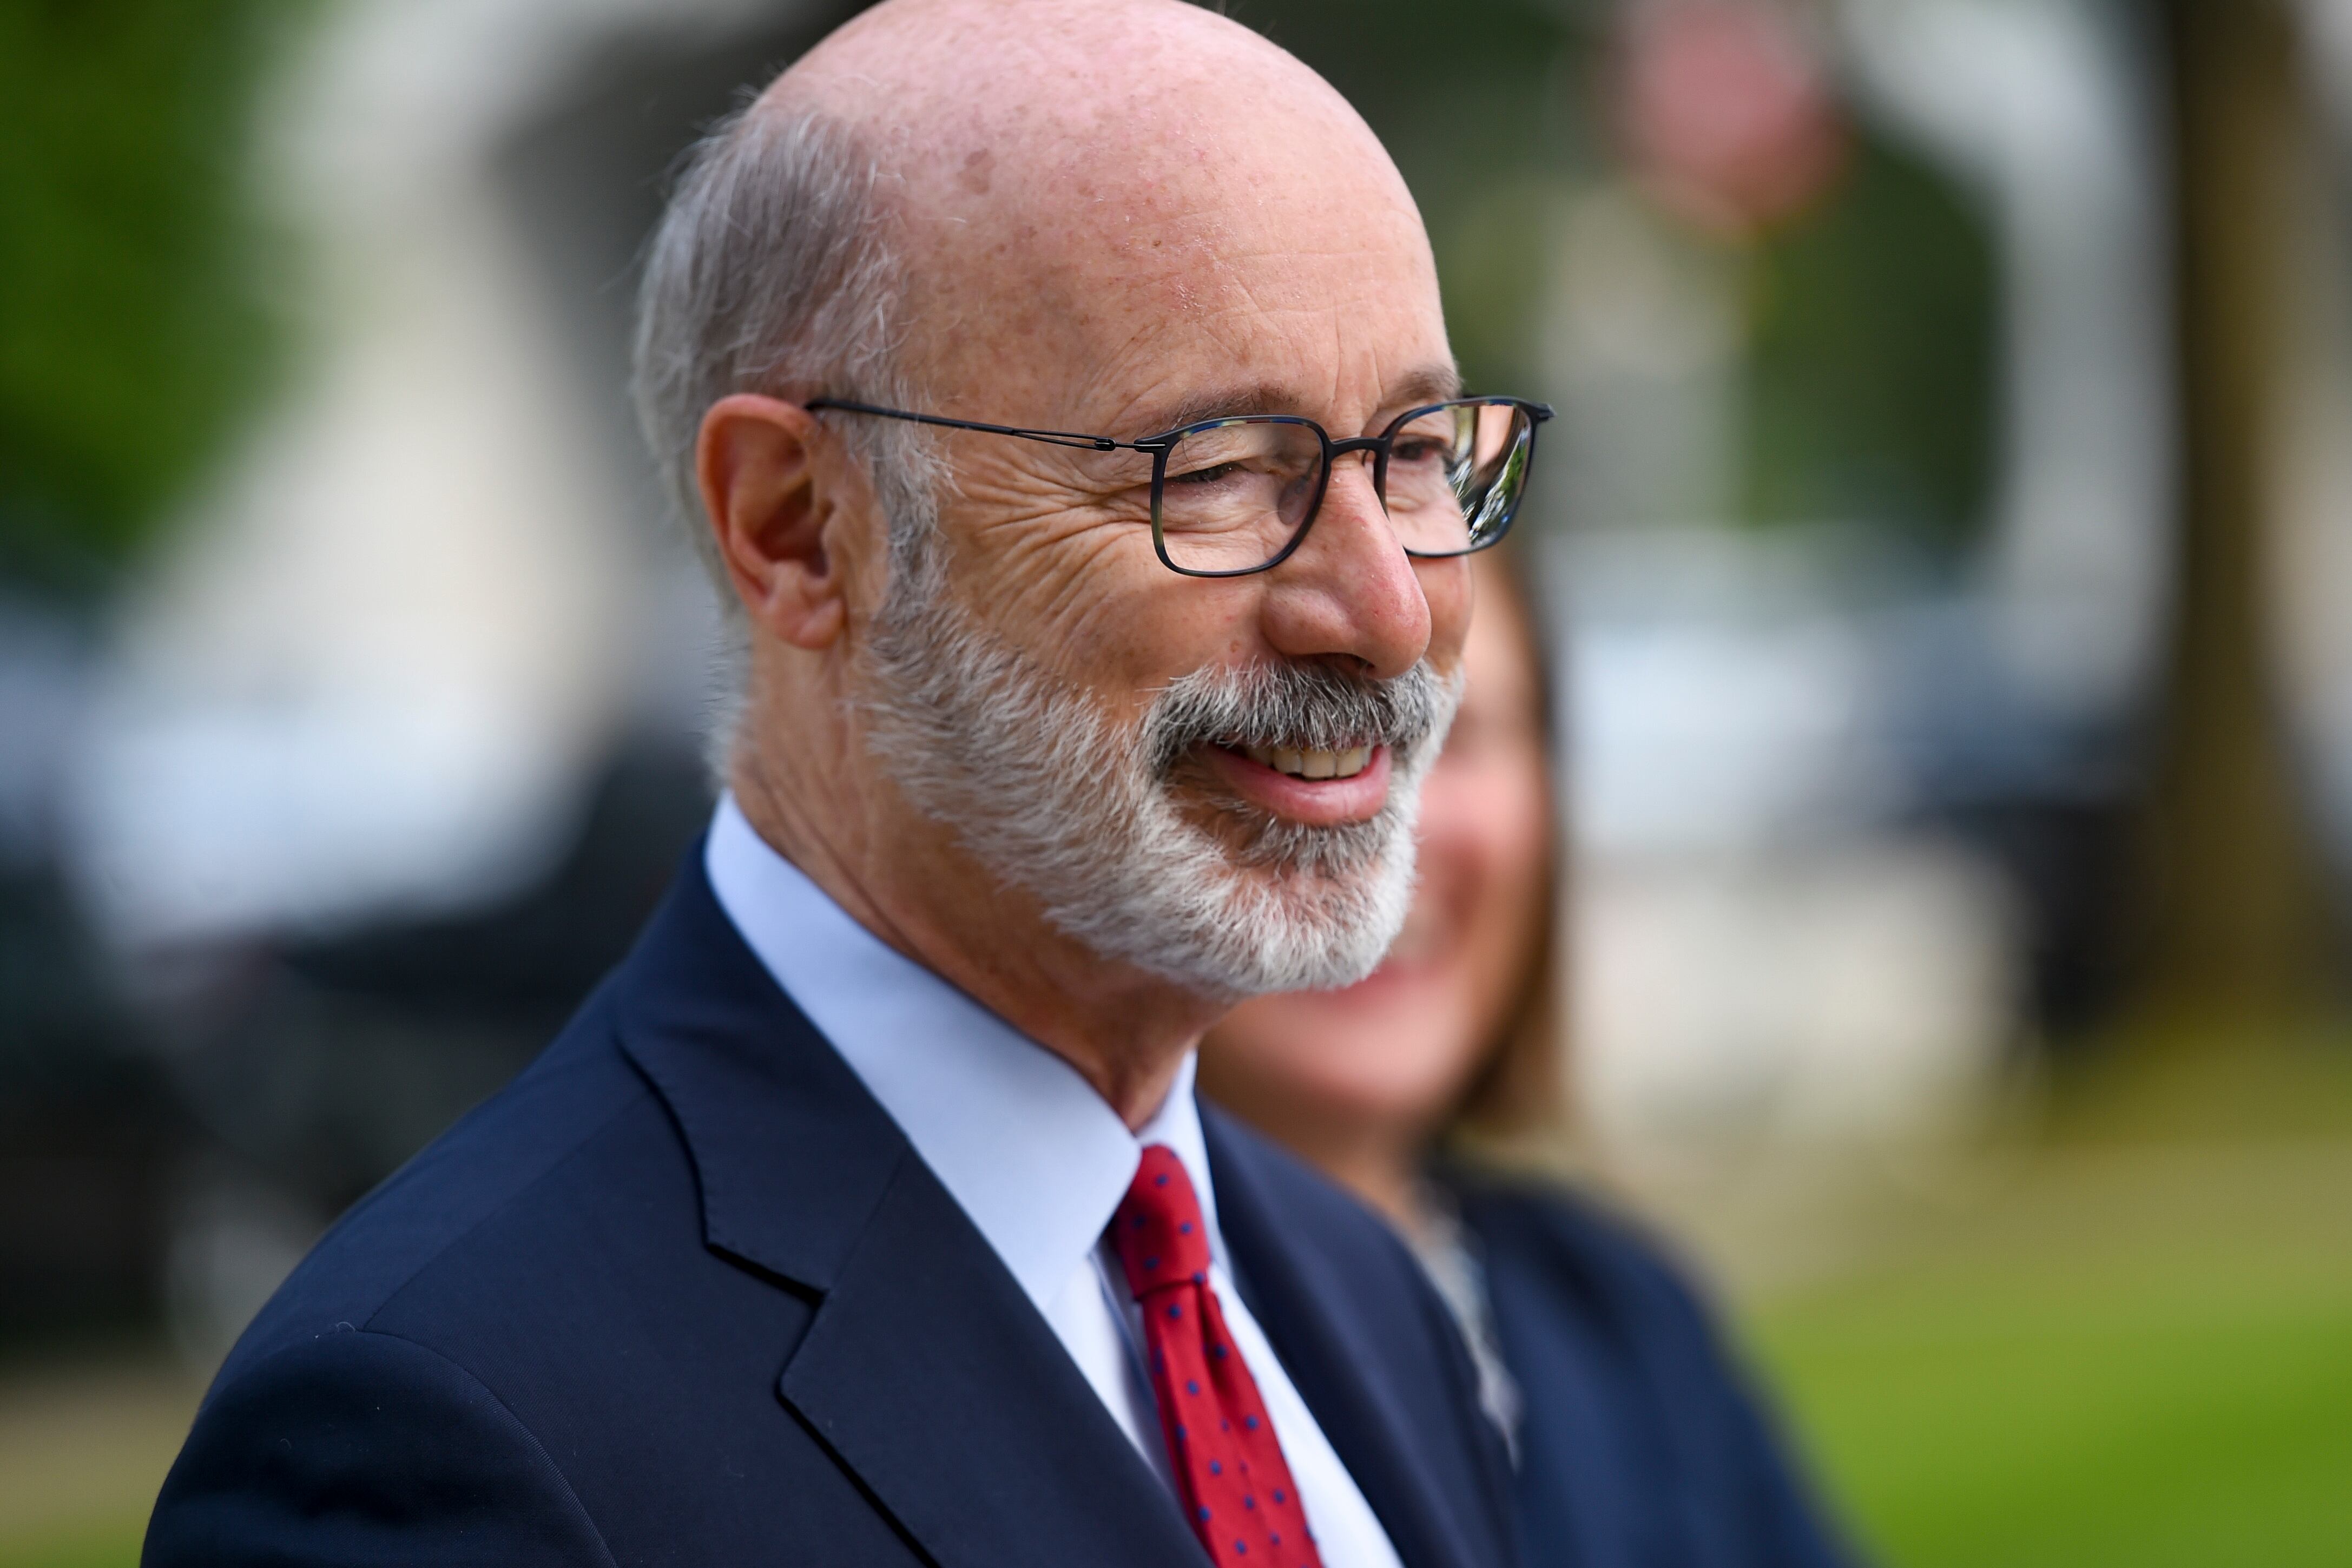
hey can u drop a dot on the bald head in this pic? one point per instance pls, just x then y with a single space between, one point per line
1043 154
981 196
932 79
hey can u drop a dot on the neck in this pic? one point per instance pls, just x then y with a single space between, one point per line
906 880
1383 1174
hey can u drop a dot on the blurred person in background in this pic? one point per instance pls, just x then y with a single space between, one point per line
866 1214
1636 1437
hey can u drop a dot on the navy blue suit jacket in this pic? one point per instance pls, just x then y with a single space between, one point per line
1640 1445
683 1293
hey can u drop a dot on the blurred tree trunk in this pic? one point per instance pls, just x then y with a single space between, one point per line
2235 921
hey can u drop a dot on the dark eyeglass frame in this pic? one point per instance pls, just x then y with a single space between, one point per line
1161 445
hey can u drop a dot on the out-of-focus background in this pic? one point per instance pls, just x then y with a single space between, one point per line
1947 539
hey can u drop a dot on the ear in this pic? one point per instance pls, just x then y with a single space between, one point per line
755 460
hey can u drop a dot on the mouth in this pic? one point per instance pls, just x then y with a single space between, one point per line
1313 787
1305 762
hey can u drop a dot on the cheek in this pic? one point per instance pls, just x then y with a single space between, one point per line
1485 855
1092 602
1475 828
1510 855
1513 818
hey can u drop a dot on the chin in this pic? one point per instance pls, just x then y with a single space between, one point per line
1361 1099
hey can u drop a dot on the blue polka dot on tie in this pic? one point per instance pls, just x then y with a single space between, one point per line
1174 1313
1277 1496
1274 1540
1184 1229
1250 1421
1217 1351
1180 1433
1190 1387
1215 1468
1224 1426
1151 1263
1249 1502
1241 1548
1160 1181
1204 1514
1200 1278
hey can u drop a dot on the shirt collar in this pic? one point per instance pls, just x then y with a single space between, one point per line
1035 1157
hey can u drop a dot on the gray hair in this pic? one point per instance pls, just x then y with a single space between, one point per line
773 269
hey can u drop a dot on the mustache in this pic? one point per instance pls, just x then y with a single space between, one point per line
1309 706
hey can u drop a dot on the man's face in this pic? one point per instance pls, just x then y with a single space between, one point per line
1213 778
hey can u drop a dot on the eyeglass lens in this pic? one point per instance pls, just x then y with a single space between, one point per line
1236 491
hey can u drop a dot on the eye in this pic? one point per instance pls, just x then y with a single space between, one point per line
1210 475
1421 449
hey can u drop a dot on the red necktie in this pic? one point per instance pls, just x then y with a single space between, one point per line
1230 1474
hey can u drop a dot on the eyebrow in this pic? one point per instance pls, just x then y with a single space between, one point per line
1426 384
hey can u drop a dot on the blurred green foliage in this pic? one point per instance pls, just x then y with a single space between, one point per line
1871 333
1868 382
135 329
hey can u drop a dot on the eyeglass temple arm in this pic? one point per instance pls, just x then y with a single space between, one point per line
1055 438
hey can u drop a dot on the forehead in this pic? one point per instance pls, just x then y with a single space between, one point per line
1120 256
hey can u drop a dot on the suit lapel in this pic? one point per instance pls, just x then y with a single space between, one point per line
931 1375
1332 1358
926 1371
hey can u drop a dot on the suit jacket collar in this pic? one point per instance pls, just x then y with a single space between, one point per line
790 1153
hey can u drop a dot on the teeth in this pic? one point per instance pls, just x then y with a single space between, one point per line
1305 763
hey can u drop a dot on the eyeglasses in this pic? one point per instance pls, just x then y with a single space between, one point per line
1234 495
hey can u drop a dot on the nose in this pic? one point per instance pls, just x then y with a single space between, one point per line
1350 591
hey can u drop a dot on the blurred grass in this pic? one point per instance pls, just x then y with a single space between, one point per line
2129 1344
108 1543
83 1448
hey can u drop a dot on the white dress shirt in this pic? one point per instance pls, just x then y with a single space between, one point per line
1035 1158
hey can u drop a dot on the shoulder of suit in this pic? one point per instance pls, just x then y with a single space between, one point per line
518 1140
353 1426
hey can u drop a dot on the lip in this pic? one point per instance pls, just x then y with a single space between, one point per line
1317 802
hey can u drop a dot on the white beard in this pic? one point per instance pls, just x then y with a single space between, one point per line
1085 815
